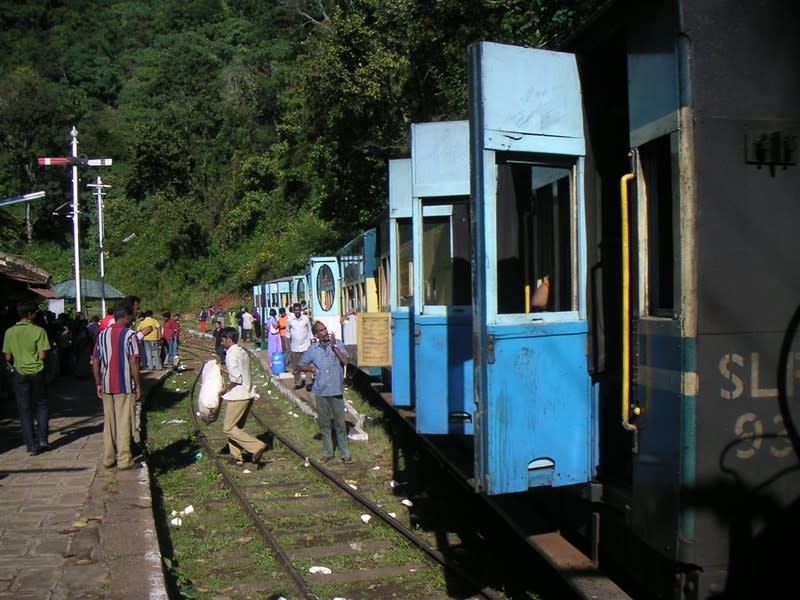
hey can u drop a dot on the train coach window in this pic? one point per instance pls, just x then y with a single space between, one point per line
405 264
326 287
535 235
446 248
656 160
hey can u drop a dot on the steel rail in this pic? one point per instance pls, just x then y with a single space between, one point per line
266 534
383 515
360 498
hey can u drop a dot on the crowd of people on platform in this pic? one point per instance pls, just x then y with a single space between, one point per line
39 346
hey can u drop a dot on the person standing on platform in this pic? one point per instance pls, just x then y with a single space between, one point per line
151 341
298 330
169 333
116 376
247 325
218 347
202 317
257 325
135 305
326 360
282 320
238 396
107 320
25 346
177 335
273 333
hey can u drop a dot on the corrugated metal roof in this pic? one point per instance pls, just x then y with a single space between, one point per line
44 292
20 270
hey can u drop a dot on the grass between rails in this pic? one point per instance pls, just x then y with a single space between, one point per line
215 547
216 552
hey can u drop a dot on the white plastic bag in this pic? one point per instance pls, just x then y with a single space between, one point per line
210 386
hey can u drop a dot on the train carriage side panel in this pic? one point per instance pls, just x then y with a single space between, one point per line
401 299
746 128
535 406
442 312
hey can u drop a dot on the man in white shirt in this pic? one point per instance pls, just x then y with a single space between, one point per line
298 331
247 326
238 396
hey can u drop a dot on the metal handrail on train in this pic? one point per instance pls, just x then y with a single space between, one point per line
626 309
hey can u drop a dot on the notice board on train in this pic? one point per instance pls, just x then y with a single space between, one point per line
374 334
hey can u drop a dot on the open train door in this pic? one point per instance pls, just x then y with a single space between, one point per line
441 233
401 257
534 413
325 287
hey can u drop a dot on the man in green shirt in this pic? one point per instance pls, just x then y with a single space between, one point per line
25 346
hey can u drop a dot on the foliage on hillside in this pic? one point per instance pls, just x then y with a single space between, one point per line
246 135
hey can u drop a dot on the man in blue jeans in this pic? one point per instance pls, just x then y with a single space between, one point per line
326 360
25 346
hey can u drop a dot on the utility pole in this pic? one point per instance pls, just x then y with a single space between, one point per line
98 191
76 161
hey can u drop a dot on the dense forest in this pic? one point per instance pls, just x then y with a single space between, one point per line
246 135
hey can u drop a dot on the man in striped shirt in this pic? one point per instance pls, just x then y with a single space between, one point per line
116 375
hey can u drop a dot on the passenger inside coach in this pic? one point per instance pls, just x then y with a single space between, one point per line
541 294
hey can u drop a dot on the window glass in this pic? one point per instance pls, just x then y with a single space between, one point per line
657 173
446 256
535 236
405 263
326 288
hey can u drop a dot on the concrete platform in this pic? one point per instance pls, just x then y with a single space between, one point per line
71 528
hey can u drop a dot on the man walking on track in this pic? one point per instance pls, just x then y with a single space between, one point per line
238 395
25 346
116 375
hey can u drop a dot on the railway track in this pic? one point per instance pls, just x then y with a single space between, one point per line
352 531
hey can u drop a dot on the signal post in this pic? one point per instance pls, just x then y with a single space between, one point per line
76 161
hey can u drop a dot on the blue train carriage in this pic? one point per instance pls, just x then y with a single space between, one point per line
357 260
365 328
324 298
535 406
704 474
278 293
442 312
401 284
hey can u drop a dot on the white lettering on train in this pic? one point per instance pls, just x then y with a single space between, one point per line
735 372
749 427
